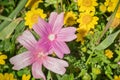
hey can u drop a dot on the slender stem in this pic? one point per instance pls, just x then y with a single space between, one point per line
61 5
57 6
89 58
109 23
13 14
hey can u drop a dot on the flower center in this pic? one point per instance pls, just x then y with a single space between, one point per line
110 4
86 19
40 55
87 3
51 37
34 18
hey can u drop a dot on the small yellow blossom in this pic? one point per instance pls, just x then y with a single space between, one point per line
2 58
102 8
7 76
70 18
88 20
117 77
111 4
32 16
87 5
33 4
26 77
109 53
82 32
96 71
115 22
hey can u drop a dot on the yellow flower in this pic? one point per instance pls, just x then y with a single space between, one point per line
111 4
7 76
87 5
88 20
96 71
33 3
102 8
117 77
2 58
70 18
109 53
118 13
82 32
32 16
115 22
26 77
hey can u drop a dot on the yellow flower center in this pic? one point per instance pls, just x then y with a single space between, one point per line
86 19
110 4
51 37
34 18
87 3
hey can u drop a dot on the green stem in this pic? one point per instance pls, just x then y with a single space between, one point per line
89 58
109 22
13 14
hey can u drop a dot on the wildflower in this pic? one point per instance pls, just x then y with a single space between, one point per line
2 58
37 56
53 35
102 8
87 5
111 4
33 4
7 76
88 20
26 77
109 53
82 32
32 17
70 18
116 22
117 77
96 71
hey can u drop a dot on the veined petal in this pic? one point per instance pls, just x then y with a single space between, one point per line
22 60
58 23
27 40
55 65
42 28
37 70
60 48
52 18
67 34
44 44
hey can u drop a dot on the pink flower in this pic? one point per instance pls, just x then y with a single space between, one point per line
37 56
53 35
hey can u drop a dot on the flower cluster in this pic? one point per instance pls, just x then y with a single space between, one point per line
87 19
53 38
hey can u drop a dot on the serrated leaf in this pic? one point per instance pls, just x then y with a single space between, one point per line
108 41
7 31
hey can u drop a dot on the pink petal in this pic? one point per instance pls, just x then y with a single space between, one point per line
60 48
58 23
37 70
27 40
44 44
42 28
66 34
55 65
52 18
22 60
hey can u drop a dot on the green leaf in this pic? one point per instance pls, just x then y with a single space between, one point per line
7 31
5 18
68 77
108 41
